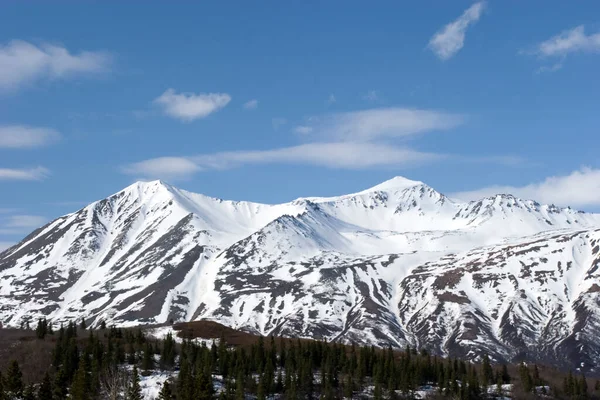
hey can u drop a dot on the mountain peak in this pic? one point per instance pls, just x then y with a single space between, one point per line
396 183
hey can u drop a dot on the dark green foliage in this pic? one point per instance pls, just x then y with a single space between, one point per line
13 381
42 328
148 357
134 391
165 392
29 393
45 389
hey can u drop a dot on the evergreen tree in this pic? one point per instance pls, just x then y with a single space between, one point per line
134 391
526 379
29 393
80 388
167 357
583 386
204 386
488 372
13 382
165 392
45 390
83 325
505 374
2 393
148 357
60 384
42 328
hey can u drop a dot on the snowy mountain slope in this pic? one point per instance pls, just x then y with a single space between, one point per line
398 263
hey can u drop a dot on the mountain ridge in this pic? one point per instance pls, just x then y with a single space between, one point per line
356 267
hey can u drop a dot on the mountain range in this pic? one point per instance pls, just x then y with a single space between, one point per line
397 264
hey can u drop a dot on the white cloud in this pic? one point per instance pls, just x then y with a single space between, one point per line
24 174
25 221
304 130
163 167
22 62
331 155
381 123
251 105
578 189
19 224
278 122
22 136
451 38
569 41
352 140
189 106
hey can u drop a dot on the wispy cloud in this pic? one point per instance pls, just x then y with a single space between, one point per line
451 38
19 224
560 46
331 99
22 136
163 167
377 123
22 62
578 189
331 155
569 41
351 140
189 106
251 105
23 174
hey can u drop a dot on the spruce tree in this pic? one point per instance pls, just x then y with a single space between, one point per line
60 384
204 386
45 390
148 358
2 394
29 393
488 372
165 392
134 391
80 388
13 383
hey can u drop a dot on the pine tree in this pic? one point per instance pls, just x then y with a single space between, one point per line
583 386
80 388
488 372
60 384
13 383
148 357
377 393
83 325
29 393
348 387
45 390
260 395
239 387
42 328
134 391
165 392
204 386
2 394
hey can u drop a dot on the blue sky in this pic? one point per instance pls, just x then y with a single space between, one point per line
269 101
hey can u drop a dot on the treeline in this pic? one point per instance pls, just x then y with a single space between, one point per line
108 363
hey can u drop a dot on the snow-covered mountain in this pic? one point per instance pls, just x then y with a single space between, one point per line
398 264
